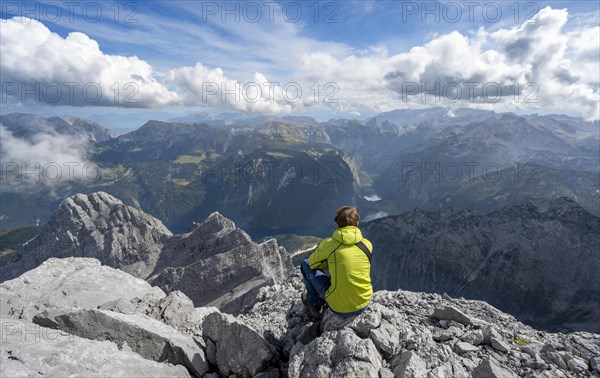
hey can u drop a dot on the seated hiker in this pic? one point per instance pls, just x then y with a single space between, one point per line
338 272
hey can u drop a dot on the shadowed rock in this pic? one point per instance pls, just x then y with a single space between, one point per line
219 265
237 349
534 259
490 368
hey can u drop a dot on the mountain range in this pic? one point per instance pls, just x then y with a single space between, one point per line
472 179
278 175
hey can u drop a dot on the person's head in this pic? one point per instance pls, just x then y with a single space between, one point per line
347 216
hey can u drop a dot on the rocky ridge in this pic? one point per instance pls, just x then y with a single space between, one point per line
96 225
81 306
537 259
214 263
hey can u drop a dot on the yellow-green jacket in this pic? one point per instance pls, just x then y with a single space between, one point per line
349 268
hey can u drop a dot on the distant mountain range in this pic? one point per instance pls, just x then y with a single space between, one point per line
28 126
279 175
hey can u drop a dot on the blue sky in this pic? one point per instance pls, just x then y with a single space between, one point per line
362 46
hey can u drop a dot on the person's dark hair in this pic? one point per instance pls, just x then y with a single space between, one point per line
347 216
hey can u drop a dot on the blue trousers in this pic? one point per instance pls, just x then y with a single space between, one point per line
317 282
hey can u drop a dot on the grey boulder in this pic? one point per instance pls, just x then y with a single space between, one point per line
490 368
145 336
410 365
337 354
462 348
67 284
451 313
238 349
29 350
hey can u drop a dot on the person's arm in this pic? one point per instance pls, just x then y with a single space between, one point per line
318 259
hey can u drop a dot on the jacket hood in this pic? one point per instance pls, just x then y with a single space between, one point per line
348 235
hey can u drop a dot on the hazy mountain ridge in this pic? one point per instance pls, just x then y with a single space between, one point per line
426 173
27 126
247 169
537 259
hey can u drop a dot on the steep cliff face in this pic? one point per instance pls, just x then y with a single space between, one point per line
218 264
538 259
96 225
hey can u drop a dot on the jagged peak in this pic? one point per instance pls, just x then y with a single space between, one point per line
214 223
101 205
99 196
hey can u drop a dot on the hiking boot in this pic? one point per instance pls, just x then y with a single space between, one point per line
313 310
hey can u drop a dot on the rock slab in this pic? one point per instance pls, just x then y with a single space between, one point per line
145 336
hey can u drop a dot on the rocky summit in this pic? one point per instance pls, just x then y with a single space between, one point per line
76 317
128 298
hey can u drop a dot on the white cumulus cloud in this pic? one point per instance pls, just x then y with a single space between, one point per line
72 70
41 66
548 65
545 66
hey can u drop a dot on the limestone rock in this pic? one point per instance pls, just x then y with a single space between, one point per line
214 264
577 365
362 323
490 368
238 349
385 373
549 354
451 313
446 334
500 345
474 337
410 366
30 350
146 336
386 338
68 284
272 336
462 348
217 264
337 353
97 225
